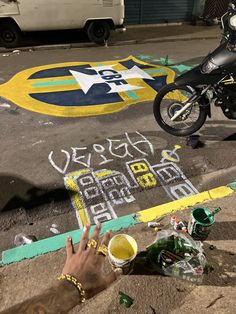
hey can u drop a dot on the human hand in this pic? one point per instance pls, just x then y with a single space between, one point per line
86 265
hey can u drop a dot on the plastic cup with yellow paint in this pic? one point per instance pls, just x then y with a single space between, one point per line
122 250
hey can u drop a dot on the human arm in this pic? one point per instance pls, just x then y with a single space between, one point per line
60 298
84 264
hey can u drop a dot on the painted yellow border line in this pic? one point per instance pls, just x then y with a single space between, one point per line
161 210
55 243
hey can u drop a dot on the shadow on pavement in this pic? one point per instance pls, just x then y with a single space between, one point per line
53 38
17 192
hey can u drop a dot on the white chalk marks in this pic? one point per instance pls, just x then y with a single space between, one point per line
112 149
100 195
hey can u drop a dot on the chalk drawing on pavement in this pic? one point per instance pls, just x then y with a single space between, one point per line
100 194
76 89
115 148
96 195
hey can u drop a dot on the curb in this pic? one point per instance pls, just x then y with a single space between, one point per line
115 43
55 243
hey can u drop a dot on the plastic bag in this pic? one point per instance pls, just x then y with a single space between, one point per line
178 255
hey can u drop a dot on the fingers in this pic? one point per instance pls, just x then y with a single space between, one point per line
69 247
106 238
105 241
84 239
95 237
112 276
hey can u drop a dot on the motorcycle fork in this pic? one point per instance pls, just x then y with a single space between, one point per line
190 102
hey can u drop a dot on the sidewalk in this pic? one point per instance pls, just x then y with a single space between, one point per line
135 34
156 33
151 293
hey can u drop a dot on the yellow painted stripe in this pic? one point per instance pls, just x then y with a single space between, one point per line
102 174
165 209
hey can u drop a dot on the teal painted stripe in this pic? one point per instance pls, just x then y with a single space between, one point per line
232 185
132 95
55 243
55 83
152 71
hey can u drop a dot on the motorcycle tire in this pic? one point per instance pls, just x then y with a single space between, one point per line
173 107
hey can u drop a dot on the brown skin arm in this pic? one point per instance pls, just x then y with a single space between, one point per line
59 299
86 265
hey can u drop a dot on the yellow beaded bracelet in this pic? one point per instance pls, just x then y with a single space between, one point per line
75 282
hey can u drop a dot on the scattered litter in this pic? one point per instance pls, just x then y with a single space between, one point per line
54 229
177 255
5 55
23 239
12 181
214 301
154 224
212 247
16 51
46 123
39 142
178 225
125 300
5 105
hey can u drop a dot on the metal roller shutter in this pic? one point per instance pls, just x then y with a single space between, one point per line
158 11
215 8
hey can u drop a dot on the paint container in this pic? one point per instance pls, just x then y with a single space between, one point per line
200 223
122 250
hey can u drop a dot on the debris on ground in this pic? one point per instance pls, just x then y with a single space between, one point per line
214 301
16 51
178 255
54 229
23 239
212 247
125 300
154 224
178 225
5 105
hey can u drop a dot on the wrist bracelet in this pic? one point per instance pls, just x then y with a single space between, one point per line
76 283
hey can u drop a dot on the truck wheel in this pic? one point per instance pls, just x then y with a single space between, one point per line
98 31
10 34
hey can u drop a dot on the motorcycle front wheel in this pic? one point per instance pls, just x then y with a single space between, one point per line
169 101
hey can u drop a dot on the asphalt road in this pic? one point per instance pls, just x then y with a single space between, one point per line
38 151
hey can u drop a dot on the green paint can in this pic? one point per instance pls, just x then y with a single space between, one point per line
200 222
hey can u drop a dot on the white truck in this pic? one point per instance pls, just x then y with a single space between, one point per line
96 17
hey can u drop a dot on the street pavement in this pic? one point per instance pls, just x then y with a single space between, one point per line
33 196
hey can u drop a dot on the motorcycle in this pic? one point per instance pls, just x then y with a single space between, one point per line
182 107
